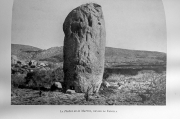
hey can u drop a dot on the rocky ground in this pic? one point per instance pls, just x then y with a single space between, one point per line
145 88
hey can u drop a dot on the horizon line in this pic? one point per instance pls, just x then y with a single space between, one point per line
105 47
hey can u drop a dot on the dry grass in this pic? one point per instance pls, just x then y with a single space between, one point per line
145 88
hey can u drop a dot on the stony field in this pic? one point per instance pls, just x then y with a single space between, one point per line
147 87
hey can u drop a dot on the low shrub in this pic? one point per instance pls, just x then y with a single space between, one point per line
17 80
106 74
58 74
40 78
37 79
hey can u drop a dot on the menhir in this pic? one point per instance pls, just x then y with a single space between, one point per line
84 48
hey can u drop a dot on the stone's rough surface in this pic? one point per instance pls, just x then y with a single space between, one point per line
84 48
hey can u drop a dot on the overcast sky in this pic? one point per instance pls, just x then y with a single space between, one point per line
130 24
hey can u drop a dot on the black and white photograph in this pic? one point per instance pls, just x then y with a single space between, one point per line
89 59
102 52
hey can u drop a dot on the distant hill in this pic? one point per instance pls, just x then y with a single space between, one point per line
24 52
54 54
118 56
113 56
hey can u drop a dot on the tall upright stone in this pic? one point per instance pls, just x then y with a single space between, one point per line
84 48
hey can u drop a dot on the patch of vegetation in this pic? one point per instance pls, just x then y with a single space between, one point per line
17 80
39 79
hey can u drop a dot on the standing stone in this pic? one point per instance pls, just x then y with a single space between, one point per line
84 48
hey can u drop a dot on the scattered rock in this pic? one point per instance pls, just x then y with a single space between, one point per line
106 84
96 95
84 48
70 91
33 63
42 64
56 86
119 88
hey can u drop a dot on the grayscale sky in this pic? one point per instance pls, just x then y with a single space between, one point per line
130 24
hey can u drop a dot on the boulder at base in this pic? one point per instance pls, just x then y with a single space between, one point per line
84 48
105 84
56 86
70 91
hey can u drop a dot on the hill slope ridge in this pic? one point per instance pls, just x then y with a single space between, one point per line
113 56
